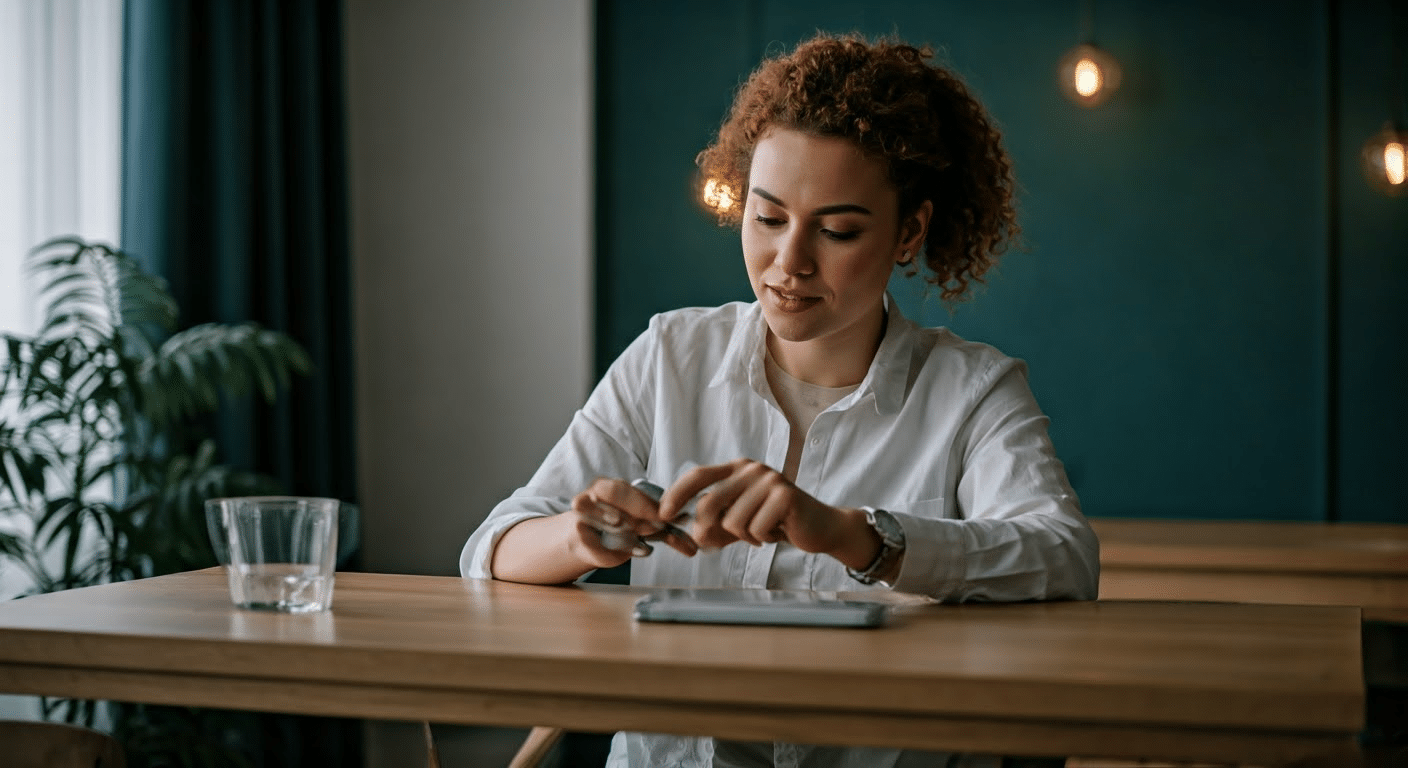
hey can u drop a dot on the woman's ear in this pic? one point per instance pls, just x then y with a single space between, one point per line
912 231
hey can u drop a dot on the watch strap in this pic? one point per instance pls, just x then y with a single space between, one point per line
891 546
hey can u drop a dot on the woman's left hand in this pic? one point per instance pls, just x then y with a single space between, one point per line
749 501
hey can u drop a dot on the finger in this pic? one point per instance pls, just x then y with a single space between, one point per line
595 550
711 536
738 517
724 513
680 541
601 516
773 510
711 507
667 530
614 539
603 503
689 485
763 497
631 501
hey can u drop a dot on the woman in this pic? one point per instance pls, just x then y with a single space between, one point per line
828 442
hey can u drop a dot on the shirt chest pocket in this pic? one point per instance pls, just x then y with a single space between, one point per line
929 509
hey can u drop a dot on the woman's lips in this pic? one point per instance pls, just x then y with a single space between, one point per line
791 302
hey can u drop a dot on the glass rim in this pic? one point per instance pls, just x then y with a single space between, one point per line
285 499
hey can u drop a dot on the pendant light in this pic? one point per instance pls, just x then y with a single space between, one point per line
1384 159
1087 73
1385 154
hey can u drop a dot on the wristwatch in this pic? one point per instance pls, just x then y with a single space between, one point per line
891 546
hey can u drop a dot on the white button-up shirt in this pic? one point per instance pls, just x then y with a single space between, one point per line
943 433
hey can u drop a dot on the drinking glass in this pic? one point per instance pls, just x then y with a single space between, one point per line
279 551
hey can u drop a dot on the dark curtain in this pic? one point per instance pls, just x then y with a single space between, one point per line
234 190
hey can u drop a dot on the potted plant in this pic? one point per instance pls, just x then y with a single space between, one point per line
103 465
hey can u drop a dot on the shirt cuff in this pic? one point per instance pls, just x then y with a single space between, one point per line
933 561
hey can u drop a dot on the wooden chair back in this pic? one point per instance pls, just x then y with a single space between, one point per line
58 745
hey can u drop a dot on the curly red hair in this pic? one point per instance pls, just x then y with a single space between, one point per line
918 118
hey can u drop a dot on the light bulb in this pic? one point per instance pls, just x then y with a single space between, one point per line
718 195
1088 75
1087 78
1385 163
1393 162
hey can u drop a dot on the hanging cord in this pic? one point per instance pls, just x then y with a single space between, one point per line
1397 96
1086 22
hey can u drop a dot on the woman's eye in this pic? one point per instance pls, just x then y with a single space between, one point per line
841 236
769 221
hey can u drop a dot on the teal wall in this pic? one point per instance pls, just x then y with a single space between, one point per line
1197 316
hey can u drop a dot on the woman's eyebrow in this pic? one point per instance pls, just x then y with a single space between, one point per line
822 211
841 208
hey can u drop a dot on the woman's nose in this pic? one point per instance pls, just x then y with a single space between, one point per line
794 255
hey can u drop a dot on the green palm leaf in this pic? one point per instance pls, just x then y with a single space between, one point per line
93 441
192 369
106 288
10 545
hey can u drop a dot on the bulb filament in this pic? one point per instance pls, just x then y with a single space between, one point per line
1394 163
1088 78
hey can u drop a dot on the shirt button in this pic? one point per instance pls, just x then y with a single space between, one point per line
816 441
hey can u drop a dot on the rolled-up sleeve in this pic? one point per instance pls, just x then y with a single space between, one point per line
1019 533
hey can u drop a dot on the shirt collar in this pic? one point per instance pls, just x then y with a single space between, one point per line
887 379
743 359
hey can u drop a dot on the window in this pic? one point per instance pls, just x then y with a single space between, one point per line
60 145
60 134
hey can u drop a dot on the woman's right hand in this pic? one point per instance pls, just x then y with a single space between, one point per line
613 506
531 552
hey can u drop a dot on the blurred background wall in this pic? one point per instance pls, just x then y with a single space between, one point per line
1209 295
470 159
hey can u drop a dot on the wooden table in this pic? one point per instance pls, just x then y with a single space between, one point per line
1216 682
1359 564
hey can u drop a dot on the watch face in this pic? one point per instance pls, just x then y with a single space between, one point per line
888 527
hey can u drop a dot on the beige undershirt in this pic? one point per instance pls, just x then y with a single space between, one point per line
800 403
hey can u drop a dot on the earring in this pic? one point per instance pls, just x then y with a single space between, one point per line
904 258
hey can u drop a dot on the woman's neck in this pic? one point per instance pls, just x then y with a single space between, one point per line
838 360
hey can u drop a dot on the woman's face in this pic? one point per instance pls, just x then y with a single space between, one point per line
821 234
